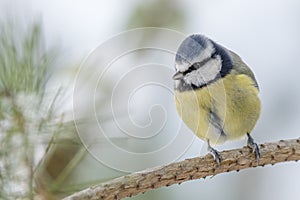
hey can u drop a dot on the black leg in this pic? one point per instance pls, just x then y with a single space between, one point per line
253 146
214 153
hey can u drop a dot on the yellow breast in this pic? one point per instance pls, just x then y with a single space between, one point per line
232 101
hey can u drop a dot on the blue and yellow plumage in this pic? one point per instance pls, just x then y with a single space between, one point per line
216 93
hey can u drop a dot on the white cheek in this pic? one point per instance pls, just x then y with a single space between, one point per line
204 74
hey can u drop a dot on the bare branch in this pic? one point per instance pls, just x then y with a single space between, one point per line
189 169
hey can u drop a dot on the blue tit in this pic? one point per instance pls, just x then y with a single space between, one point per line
216 93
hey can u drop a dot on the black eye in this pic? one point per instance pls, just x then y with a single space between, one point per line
190 69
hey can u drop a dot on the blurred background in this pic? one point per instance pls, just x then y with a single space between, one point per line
86 93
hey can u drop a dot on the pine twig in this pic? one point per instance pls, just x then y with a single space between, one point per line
189 169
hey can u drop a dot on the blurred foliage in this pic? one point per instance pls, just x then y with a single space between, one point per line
24 61
63 154
157 13
26 111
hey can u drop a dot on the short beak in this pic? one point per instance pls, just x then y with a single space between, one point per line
178 75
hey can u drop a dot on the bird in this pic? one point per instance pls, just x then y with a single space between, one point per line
216 93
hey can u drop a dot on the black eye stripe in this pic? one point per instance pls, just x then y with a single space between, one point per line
190 69
197 65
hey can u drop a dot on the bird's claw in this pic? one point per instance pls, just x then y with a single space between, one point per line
216 155
251 144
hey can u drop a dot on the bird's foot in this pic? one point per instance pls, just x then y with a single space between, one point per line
216 155
251 144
